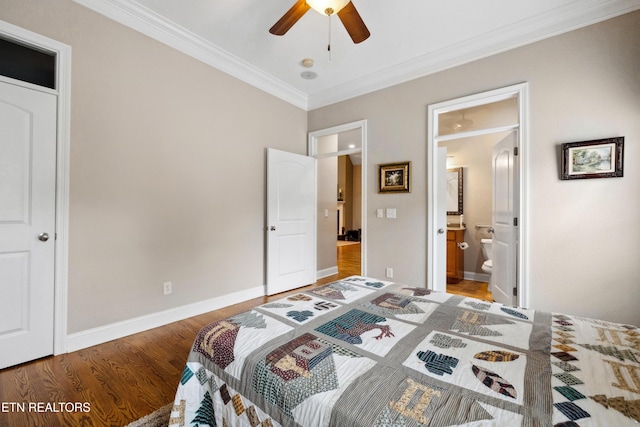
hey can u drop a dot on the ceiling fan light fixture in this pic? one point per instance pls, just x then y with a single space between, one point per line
327 7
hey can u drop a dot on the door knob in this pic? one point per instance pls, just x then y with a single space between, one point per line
43 237
272 228
440 231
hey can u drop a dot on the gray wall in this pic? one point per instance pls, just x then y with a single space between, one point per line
583 240
167 168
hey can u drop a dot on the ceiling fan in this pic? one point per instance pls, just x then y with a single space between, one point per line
345 9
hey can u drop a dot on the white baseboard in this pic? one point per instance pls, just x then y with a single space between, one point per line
102 334
477 277
326 272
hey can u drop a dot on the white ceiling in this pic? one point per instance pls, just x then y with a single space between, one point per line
409 38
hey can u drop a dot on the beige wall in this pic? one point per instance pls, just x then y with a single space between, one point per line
167 168
327 187
356 205
345 182
583 235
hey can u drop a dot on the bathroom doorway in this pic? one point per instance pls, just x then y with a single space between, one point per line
470 128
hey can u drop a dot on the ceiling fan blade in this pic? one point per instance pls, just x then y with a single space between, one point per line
353 23
292 16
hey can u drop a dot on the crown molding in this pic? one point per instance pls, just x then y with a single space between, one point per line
149 23
577 14
557 21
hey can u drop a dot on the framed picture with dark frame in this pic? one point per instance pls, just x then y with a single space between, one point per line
600 158
394 178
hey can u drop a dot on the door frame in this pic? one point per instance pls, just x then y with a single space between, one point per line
519 91
312 150
63 132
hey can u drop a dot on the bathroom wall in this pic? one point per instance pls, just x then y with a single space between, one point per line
474 156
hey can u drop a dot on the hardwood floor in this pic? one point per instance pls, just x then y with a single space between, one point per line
117 382
469 288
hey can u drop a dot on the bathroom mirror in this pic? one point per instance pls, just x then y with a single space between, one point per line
454 191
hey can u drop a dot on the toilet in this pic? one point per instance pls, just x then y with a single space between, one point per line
487 251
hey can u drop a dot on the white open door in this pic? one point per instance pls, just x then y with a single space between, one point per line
440 264
504 275
291 221
27 223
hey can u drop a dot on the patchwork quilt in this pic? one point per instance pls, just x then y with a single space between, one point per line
371 353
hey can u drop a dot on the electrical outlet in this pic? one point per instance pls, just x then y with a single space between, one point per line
388 272
167 286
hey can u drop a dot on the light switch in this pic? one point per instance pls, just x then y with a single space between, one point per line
326 213
391 212
379 213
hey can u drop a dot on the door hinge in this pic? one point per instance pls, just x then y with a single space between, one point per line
515 292
515 151
515 221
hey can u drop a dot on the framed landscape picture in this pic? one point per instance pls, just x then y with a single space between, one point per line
601 158
394 178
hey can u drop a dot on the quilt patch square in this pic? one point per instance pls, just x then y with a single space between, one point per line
477 366
341 291
498 309
304 371
404 307
300 308
367 282
492 327
370 332
227 342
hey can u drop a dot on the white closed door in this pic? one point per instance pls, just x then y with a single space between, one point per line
27 223
504 275
291 221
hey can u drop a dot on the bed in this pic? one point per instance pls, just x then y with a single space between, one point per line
368 352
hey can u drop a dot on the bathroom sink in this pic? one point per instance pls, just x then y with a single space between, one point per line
455 227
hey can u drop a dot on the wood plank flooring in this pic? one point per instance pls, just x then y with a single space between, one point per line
121 380
469 288
117 382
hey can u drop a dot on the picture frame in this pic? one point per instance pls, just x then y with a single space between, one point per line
394 177
600 158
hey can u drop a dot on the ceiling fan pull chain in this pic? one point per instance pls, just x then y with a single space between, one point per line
329 44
